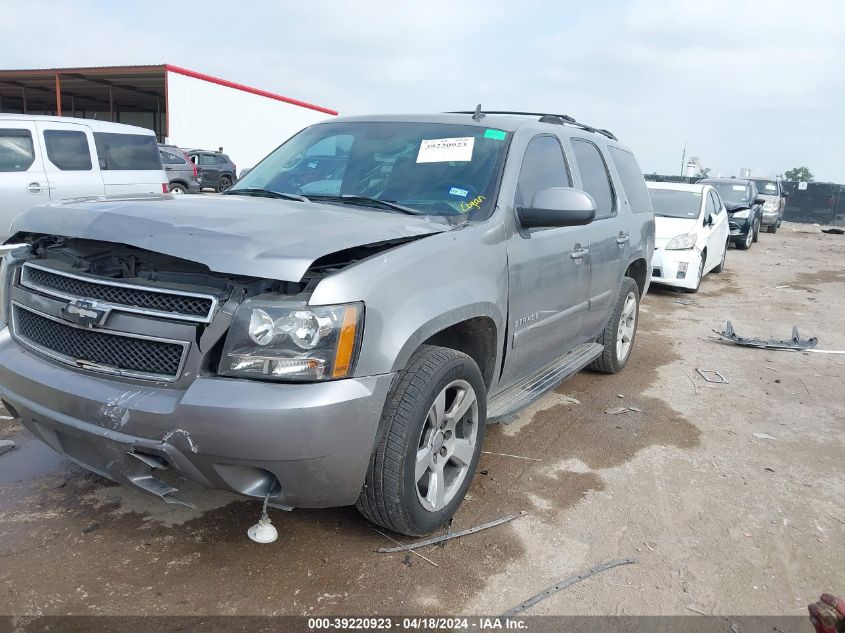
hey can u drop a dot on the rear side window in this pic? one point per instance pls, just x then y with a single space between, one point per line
542 167
169 158
717 204
632 179
208 159
16 150
127 151
594 177
68 150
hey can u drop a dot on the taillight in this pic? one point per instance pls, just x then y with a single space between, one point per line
195 168
165 187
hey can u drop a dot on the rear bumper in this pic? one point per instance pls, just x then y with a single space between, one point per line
238 435
667 265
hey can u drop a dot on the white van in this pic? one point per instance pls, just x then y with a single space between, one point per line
48 158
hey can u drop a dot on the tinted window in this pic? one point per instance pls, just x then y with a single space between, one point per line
68 150
717 203
632 179
767 187
171 159
208 159
542 167
709 207
675 203
16 151
594 177
127 151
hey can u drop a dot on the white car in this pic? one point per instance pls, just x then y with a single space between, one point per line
691 233
47 158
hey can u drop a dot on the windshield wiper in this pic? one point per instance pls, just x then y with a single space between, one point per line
365 201
265 193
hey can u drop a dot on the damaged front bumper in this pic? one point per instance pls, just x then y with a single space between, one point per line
675 268
239 435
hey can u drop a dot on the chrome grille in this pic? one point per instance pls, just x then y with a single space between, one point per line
121 354
119 296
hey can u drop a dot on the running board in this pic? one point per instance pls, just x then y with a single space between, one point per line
531 387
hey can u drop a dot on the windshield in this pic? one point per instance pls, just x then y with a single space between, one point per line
766 187
672 203
733 194
430 168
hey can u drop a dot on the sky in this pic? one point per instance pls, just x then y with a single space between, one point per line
741 84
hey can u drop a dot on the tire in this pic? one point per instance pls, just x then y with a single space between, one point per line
223 184
609 362
772 228
177 189
746 243
721 265
757 230
700 275
414 440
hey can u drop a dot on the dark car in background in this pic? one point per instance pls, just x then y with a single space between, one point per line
774 202
745 208
216 170
181 172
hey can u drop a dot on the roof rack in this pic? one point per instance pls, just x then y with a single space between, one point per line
545 117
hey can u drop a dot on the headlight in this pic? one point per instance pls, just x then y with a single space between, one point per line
741 215
293 343
681 243
768 206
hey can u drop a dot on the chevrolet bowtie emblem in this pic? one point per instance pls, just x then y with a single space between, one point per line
86 313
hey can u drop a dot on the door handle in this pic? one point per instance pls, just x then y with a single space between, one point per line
623 239
579 253
35 187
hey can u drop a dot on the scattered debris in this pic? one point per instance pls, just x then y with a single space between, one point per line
770 470
450 535
90 527
621 410
6 418
484 472
407 560
414 552
563 584
712 375
6 446
764 436
694 610
795 343
834 231
686 302
620 395
532 459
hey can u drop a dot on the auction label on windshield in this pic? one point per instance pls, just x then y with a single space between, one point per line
446 150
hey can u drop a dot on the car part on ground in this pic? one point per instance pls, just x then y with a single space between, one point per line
795 343
451 535
711 375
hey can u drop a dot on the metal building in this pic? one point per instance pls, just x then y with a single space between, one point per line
183 107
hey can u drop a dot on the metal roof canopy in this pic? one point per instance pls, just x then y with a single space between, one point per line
106 89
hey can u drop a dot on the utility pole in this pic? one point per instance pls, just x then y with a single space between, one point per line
683 160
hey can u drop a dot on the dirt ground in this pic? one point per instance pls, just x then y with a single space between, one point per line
719 521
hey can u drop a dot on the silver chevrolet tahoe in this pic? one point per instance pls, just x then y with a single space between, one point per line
340 325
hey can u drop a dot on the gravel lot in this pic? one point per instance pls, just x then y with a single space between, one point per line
718 520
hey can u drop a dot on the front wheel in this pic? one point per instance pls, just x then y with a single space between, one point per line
432 430
745 244
772 228
700 275
757 230
721 265
620 331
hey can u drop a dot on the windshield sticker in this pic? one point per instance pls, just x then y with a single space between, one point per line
475 203
312 165
770 187
496 135
738 187
446 150
455 191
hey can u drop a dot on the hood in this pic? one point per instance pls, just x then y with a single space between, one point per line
667 228
241 235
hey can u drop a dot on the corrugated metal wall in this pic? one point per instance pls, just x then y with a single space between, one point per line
248 127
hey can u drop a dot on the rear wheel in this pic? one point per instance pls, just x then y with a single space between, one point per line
223 184
620 331
176 189
433 428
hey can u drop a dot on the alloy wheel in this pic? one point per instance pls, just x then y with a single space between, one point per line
446 446
627 325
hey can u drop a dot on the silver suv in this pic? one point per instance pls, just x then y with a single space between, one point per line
340 325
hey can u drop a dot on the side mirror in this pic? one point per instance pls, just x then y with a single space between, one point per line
785 194
708 220
759 201
558 206
733 208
